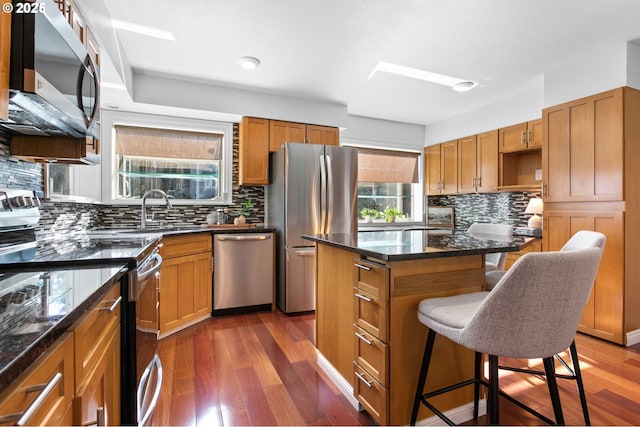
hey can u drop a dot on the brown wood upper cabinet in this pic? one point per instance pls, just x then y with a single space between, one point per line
478 163
62 149
522 136
253 151
5 48
584 147
281 132
441 166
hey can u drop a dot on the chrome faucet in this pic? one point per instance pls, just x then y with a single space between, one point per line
143 216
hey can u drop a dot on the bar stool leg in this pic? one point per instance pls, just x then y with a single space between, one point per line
550 372
476 385
494 392
426 359
576 371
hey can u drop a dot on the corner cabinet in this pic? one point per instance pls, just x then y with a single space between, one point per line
5 48
592 182
185 281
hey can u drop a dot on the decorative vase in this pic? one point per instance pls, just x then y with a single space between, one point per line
368 218
240 220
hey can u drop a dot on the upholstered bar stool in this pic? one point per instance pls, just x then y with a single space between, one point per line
532 312
493 261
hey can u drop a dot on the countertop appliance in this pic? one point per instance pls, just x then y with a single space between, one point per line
312 190
243 272
54 89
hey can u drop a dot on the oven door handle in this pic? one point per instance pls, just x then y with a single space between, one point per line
142 390
144 274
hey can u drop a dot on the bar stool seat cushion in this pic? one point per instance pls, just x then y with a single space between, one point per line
449 315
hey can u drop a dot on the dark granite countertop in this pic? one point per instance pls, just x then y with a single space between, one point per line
37 307
409 244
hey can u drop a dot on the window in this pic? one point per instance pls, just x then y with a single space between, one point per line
188 159
389 179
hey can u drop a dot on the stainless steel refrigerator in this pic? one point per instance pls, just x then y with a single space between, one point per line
312 190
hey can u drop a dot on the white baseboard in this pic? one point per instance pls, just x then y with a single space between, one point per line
457 415
338 380
633 337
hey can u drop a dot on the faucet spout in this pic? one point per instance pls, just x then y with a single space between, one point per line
143 216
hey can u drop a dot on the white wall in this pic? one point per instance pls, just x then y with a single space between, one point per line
382 134
185 94
633 65
517 109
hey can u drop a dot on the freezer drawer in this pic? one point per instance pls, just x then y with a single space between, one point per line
298 293
242 270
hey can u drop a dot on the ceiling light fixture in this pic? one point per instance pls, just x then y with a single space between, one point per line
457 84
141 29
249 62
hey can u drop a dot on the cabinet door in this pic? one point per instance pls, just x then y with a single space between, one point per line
487 161
583 149
98 401
467 161
449 167
253 151
281 132
534 133
513 138
185 291
603 313
5 48
323 135
432 169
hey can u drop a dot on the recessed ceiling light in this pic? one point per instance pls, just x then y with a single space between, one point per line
464 86
141 29
457 84
248 62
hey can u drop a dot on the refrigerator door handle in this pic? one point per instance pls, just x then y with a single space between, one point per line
323 195
329 190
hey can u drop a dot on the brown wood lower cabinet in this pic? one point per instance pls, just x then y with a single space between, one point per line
54 366
512 257
185 281
604 315
383 312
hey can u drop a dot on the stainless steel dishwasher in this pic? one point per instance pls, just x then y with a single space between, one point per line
243 272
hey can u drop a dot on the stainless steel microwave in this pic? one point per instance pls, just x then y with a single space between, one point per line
53 83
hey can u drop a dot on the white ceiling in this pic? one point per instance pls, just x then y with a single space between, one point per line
326 49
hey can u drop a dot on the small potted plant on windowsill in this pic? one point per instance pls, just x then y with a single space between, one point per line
245 209
390 214
369 214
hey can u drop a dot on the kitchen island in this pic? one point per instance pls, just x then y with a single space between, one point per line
369 285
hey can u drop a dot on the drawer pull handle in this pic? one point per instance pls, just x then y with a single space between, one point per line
363 338
362 267
45 390
113 306
362 297
364 380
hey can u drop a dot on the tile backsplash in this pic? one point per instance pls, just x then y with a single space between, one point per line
506 208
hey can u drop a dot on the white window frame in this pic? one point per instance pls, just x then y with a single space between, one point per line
109 118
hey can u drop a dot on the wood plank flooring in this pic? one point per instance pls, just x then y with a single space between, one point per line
260 369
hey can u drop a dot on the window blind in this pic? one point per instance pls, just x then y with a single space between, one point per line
389 166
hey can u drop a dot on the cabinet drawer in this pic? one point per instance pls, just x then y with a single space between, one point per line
371 313
372 354
175 246
371 395
55 369
93 331
372 278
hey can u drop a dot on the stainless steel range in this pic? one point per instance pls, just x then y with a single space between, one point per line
22 250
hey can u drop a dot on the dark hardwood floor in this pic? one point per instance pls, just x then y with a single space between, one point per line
260 369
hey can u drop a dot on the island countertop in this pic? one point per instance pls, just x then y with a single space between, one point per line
410 244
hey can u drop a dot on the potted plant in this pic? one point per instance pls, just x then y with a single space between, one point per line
390 214
245 209
369 214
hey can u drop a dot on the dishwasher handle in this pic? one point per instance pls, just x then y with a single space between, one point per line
247 238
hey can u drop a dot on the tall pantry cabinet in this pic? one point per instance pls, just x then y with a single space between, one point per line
591 182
